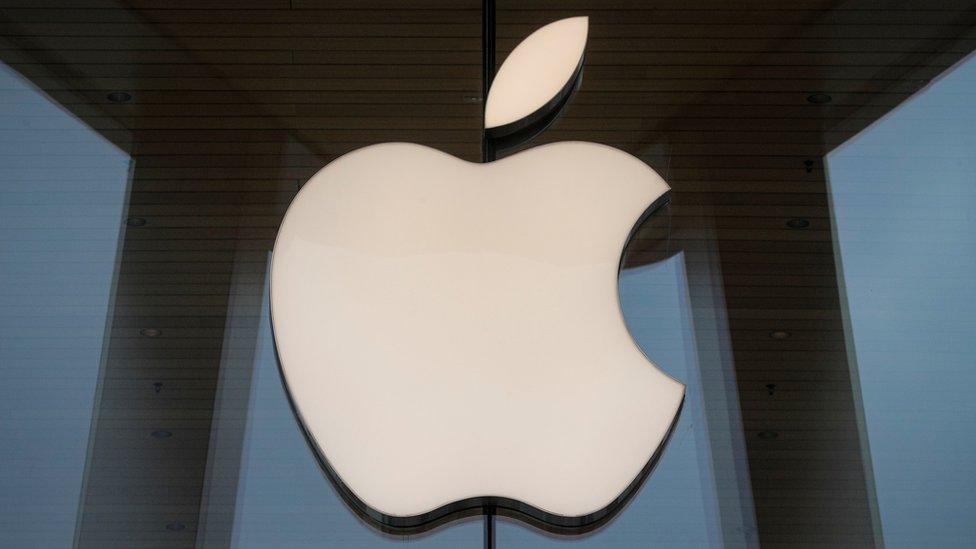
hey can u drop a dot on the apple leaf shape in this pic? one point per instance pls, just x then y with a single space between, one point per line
450 334
537 76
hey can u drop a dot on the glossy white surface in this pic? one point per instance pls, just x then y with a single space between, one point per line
450 330
536 70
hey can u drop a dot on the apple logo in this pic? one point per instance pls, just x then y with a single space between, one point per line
450 334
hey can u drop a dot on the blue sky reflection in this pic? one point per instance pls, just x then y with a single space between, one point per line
903 193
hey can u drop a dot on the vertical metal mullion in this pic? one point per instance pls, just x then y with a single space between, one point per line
487 71
487 155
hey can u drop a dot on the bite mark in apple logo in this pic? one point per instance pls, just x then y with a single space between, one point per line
449 333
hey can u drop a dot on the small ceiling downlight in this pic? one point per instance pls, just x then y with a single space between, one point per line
819 99
119 97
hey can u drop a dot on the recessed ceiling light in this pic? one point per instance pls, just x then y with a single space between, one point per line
472 98
151 332
819 98
798 223
135 221
779 334
119 97
768 435
176 527
161 434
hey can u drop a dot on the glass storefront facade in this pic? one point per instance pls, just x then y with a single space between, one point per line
809 282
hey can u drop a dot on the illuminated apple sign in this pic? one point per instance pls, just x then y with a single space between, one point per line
450 333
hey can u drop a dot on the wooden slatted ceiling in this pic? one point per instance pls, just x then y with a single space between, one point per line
236 104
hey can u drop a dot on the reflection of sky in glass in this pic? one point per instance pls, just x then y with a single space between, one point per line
62 195
903 195
677 506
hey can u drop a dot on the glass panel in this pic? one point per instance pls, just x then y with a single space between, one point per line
148 153
902 195
227 111
63 196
